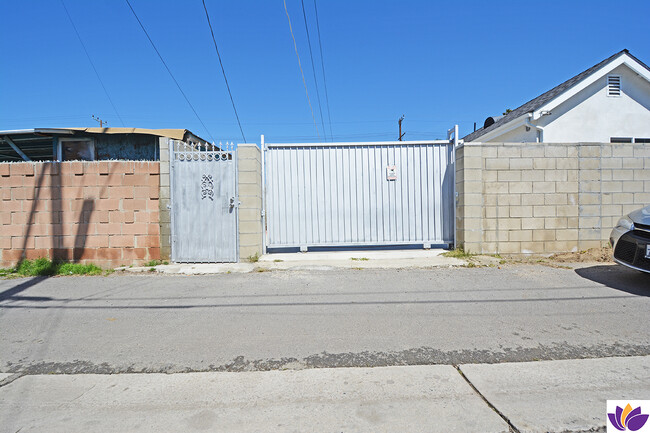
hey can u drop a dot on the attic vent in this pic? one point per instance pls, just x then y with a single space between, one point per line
613 85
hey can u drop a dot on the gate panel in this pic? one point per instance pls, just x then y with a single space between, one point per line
204 203
343 194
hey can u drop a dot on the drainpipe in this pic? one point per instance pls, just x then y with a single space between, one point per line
540 135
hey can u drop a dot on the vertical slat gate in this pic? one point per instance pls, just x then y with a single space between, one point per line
341 194
204 202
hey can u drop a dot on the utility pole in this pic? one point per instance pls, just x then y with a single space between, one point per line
399 122
101 122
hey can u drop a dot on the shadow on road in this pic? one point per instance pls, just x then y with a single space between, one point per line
10 294
619 278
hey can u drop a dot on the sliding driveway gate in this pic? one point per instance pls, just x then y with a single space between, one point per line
355 194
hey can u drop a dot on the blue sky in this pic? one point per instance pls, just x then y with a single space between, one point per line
437 63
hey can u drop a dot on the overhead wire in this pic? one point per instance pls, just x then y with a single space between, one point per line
92 63
223 71
322 65
313 68
295 46
169 71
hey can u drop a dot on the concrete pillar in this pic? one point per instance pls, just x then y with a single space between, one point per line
250 196
163 201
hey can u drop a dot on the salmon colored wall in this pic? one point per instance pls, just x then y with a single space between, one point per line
103 212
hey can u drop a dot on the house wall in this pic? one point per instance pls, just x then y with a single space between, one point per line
592 116
103 212
546 198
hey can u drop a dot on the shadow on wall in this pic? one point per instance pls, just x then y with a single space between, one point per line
57 248
618 277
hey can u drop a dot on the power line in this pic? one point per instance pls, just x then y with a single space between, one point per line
223 71
313 68
300 66
91 62
322 65
168 70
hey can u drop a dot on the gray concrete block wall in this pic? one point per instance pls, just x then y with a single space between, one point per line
546 198
250 196
164 202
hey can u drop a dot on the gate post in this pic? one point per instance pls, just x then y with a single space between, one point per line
249 164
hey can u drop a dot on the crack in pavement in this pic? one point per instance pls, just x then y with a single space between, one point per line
511 426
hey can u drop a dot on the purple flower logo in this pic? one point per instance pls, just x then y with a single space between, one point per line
628 418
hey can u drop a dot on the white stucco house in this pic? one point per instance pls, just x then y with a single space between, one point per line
609 102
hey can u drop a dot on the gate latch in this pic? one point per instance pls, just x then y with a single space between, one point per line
234 202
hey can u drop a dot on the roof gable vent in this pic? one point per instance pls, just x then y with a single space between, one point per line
613 85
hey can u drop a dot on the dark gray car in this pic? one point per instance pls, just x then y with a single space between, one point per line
630 240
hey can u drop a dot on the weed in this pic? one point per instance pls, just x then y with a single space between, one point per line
278 260
458 253
363 259
152 269
153 263
254 258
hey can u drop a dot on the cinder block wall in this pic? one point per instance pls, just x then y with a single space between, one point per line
164 203
540 198
104 212
250 195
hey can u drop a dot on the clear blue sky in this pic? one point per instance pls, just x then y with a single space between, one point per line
438 63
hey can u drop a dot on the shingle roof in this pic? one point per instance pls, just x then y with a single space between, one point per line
542 99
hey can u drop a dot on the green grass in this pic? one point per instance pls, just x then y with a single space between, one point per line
458 253
155 263
45 267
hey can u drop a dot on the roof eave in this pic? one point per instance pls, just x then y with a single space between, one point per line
624 59
500 130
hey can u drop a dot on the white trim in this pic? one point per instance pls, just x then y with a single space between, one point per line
622 60
364 143
506 127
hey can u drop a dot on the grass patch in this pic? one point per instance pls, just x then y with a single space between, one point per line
278 260
458 253
45 267
362 259
155 263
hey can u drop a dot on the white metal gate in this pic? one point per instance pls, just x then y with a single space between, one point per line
204 202
354 194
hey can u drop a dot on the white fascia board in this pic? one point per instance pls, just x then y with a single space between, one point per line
506 127
622 60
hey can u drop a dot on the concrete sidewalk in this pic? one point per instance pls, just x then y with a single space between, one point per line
389 259
553 396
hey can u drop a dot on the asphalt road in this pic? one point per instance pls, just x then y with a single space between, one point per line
295 319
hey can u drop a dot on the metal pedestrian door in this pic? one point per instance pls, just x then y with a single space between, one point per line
355 194
204 202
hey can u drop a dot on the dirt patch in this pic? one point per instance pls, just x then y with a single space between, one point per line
601 255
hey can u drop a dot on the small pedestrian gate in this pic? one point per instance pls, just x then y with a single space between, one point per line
204 202
354 194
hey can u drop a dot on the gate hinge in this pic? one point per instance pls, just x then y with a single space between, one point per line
234 202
